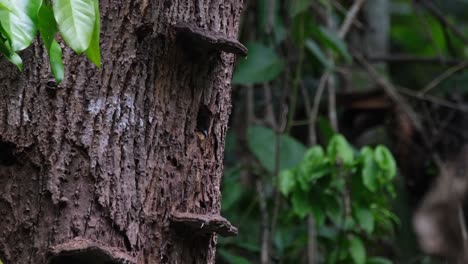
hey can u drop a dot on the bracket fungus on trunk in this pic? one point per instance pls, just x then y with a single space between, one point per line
79 250
202 224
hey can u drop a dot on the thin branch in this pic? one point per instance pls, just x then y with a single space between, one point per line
408 58
269 111
332 103
389 90
337 5
316 106
392 92
265 254
429 6
350 17
445 75
311 240
433 99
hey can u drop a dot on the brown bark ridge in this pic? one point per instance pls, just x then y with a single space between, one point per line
92 170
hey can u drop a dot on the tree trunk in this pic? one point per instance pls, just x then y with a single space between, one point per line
94 169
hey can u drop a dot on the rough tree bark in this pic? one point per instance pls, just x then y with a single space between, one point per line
92 170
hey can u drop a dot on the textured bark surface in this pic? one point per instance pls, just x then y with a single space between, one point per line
94 168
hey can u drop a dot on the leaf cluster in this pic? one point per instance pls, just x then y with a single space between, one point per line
347 192
77 22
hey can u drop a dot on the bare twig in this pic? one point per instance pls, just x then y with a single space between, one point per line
433 99
337 5
312 240
311 232
265 254
350 17
392 92
332 103
316 106
269 111
408 58
429 6
434 83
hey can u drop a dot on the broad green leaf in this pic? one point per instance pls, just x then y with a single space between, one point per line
48 30
339 150
5 5
262 143
326 128
318 53
364 218
330 39
11 56
378 260
76 21
20 25
299 6
386 161
286 182
314 156
94 52
357 250
301 203
334 209
370 169
261 65
314 166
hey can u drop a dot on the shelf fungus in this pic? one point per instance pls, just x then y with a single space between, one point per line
201 41
202 224
81 250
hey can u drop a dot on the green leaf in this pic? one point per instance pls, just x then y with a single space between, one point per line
286 182
11 56
20 24
357 250
262 143
378 260
301 203
331 40
318 53
314 166
340 151
370 169
385 160
365 219
48 30
261 65
317 212
94 52
76 21
334 209
299 6
5 5
55 57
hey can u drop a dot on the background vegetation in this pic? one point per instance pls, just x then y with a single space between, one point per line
295 188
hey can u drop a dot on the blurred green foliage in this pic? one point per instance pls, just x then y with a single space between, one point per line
271 175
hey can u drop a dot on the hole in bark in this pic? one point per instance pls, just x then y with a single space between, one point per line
204 120
7 154
144 31
172 160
